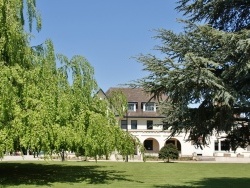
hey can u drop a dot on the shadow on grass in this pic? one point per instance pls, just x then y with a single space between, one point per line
220 182
46 174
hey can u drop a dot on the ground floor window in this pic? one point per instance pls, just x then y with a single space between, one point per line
224 146
133 124
221 146
148 144
124 124
216 146
149 124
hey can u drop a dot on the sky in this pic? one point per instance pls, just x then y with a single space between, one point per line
109 34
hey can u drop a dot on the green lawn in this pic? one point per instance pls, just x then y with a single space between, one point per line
121 174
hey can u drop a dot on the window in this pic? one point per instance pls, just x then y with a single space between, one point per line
133 124
124 124
149 124
148 144
149 107
165 126
131 106
216 146
224 146
221 146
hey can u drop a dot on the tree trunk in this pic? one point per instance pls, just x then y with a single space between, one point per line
63 155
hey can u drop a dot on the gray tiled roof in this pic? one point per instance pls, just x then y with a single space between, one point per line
139 96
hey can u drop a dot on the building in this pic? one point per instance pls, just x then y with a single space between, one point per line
145 122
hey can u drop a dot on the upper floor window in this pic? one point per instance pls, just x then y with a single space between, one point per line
131 106
149 107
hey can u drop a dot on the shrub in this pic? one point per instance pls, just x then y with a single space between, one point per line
169 151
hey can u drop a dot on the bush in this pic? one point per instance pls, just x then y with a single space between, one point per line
150 158
169 151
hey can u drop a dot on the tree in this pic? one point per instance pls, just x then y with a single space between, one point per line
208 67
169 151
16 59
119 105
233 15
118 102
47 101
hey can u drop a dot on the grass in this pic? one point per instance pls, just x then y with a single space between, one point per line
121 174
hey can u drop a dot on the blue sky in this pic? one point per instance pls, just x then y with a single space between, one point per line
107 33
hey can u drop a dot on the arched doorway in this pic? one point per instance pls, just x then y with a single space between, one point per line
175 142
151 145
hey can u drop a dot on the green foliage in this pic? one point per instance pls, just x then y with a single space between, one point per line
118 102
17 72
229 15
169 151
203 66
47 101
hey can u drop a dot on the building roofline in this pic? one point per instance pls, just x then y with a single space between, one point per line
143 116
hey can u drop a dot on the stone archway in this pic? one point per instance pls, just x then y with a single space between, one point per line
174 141
151 145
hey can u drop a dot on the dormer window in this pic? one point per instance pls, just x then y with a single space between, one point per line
132 107
149 107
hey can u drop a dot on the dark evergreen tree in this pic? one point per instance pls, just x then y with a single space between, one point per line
207 65
228 15
169 151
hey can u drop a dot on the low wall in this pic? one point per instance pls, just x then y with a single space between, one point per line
233 159
20 158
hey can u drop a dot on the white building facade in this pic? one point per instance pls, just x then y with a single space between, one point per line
143 121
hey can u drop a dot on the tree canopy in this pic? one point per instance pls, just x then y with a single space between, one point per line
47 101
207 65
169 151
229 15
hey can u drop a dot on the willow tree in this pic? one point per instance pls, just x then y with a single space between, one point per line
15 60
119 105
207 65
48 102
74 101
